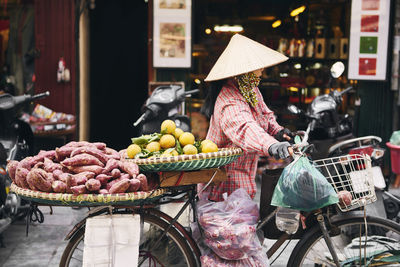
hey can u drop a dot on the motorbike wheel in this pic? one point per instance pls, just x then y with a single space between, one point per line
392 208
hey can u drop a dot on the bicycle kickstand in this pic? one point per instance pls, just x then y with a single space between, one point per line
328 240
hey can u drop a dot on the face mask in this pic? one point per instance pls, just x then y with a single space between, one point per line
246 84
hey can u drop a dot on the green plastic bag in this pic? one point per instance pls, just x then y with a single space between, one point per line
302 187
395 138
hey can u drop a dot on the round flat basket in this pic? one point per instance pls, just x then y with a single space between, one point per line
62 199
189 162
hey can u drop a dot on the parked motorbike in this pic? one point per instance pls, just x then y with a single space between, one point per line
326 126
16 143
165 102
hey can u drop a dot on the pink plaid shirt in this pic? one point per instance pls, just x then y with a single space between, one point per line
235 123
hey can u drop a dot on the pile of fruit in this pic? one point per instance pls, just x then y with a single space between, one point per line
78 168
170 141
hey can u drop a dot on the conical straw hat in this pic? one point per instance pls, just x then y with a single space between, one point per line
243 55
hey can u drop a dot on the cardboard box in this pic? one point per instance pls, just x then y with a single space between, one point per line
168 179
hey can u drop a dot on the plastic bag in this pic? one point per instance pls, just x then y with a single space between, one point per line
229 227
395 138
212 260
302 187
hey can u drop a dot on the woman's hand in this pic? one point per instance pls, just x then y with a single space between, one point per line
280 150
284 135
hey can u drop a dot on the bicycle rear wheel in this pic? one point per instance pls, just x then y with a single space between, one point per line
349 240
173 249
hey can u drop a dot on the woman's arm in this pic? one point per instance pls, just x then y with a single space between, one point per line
242 129
268 121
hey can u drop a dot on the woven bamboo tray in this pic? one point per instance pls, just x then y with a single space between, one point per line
62 199
189 162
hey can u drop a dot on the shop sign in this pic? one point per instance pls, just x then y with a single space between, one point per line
172 42
369 32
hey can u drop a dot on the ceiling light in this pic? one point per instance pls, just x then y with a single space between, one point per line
228 28
297 11
317 65
262 18
208 31
297 66
276 23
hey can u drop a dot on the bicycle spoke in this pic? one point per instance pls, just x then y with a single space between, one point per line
149 256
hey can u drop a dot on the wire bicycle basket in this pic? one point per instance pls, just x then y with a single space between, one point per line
351 173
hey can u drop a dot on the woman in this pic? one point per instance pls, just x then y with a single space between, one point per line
238 114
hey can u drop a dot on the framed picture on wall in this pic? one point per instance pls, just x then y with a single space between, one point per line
172 39
369 35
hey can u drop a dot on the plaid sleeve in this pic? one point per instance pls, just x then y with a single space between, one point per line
268 121
240 126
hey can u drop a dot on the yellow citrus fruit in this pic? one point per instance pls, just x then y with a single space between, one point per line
186 139
178 132
166 154
204 142
168 126
132 150
209 147
169 153
153 146
167 141
189 150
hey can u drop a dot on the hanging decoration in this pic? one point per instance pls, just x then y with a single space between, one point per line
63 74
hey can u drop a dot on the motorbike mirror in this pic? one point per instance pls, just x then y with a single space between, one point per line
337 69
293 109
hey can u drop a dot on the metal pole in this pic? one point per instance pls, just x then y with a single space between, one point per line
328 239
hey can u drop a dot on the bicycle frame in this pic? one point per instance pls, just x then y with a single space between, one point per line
189 192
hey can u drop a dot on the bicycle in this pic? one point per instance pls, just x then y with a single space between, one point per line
331 237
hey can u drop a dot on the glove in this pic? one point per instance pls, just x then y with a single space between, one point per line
279 150
279 136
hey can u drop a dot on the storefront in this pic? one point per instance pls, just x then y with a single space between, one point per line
313 39
313 34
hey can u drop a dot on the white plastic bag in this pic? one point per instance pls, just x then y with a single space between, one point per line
112 241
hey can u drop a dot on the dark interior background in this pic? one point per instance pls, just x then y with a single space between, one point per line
118 63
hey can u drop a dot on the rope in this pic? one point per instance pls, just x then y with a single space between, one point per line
112 236
209 182
179 179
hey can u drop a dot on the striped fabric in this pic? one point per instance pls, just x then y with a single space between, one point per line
236 124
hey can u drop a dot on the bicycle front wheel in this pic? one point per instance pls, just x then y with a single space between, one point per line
355 244
172 250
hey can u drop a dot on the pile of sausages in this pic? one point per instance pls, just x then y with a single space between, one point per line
78 168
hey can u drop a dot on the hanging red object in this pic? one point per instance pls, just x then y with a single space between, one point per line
61 69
